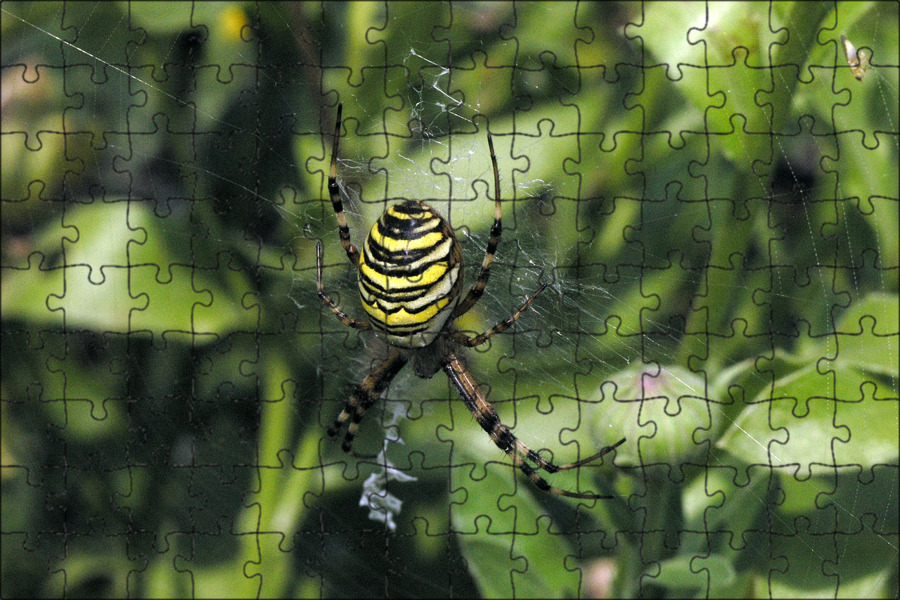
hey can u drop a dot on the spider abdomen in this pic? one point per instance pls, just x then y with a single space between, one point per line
410 274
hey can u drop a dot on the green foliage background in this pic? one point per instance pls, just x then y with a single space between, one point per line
712 194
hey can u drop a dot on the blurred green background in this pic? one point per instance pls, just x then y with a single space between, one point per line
711 193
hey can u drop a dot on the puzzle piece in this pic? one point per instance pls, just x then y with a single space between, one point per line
709 190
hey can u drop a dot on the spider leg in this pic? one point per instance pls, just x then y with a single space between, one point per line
331 304
364 396
469 342
489 420
496 230
335 193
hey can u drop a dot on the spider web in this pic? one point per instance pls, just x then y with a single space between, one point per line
709 189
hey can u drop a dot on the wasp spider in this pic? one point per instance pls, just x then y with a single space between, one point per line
410 278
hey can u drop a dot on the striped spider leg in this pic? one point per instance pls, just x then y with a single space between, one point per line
504 438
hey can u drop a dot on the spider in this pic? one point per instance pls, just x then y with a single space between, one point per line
409 279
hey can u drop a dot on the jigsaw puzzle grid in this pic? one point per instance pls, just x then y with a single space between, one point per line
710 190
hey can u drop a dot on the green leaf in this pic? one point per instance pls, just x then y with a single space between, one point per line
118 267
835 418
844 547
687 572
717 503
504 533
868 335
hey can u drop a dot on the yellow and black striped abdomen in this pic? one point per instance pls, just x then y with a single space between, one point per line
410 274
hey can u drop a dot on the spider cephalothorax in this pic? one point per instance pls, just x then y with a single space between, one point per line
410 279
